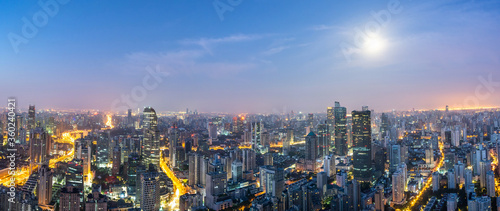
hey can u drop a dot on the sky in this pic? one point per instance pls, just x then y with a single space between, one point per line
246 56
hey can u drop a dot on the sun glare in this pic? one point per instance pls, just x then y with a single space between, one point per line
374 45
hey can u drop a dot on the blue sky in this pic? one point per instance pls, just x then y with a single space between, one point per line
264 56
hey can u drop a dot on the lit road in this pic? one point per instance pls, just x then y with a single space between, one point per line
429 180
179 187
23 175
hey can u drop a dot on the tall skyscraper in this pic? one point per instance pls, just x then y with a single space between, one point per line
323 140
329 165
354 195
394 158
31 118
173 143
340 114
311 151
452 183
69 199
44 185
40 142
287 141
212 132
398 187
361 132
237 171
490 183
257 129
151 140
150 191
195 165
249 160
435 181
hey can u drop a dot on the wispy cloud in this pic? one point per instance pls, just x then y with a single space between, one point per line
208 43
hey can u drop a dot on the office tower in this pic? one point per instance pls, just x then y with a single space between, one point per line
256 131
31 118
361 131
354 195
249 160
485 167
150 191
341 179
272 180
133 163
44 185
310 120
452 202
404 153
311 151
329 165
40 142
340 114
449 160
74 174
322 182
330 120
115 169
394 158
151 140
323 140
212 132
69 199
379 198
435 181
237 171
455 137
87 159
103 150
490 183
287 141
96 202
452 184
384 126
173 144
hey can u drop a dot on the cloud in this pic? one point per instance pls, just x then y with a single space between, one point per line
208 43
275 50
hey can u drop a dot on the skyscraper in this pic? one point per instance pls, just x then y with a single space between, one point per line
151 140
379 198
115 170
31 118
272 180
287 141
361 132
150 191
394 158
173 143
490 183
398 188
44 185
323 140
39 146
340 114
256 129
311 151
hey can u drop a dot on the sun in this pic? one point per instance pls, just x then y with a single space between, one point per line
374 45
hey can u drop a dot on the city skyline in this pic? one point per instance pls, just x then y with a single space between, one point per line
252 60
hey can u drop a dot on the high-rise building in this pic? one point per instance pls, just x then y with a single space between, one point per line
329 166
323 140
452 202
340 114
354 195
361 132
69 199
150 191
385 125
195 165
173 144
151 139
490 183
44 185
31 118
485 167
115 169
394 158
379 199
287 141
272 180
257 129
322 182
435 181
40 142
341 179
452 184
74 174
216 183
249 160
330 120
398 188
212 132
237 171
311 151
